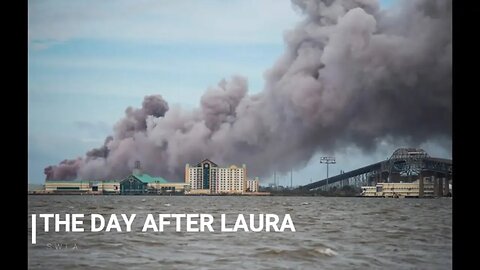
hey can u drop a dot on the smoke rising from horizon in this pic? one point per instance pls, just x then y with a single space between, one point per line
351 74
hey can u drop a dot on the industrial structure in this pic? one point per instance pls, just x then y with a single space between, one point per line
409 172
208 178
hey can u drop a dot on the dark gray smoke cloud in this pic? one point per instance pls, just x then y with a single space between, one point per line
351 75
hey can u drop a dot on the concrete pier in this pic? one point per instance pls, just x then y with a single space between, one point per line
420 186
446 188
435 186
440 187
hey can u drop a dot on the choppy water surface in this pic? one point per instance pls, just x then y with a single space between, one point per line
332 233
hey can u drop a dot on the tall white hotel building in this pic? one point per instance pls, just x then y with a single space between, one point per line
206 177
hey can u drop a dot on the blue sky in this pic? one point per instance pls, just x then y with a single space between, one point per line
89 60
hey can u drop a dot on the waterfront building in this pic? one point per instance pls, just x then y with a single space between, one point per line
133 185
395 190
208 178
142 183
253 185
136 183
82 186
71 187
230 180
202 176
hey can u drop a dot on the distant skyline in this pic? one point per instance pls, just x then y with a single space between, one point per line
90 60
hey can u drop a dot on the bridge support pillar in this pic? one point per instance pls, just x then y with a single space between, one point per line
420 186
435 186
446 188
440 187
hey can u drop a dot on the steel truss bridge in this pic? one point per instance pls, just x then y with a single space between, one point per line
405 164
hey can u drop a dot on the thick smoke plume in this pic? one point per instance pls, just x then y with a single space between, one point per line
351 74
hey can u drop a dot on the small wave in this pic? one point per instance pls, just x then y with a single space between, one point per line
326 251
299 254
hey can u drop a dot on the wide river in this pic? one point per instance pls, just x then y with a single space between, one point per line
331 233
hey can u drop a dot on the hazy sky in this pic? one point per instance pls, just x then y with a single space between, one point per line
89 60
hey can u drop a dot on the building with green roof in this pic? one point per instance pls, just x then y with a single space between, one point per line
136 183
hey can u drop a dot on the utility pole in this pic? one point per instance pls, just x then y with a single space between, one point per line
291 179
274 180
328 161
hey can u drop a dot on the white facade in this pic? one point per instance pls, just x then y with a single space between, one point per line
206 175
231 180
252 185
195 178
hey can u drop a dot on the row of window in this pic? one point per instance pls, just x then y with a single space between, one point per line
219 170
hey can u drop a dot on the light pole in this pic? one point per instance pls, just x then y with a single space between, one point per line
291 179
327 160
274 180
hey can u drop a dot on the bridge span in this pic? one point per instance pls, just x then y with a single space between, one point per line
405 165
